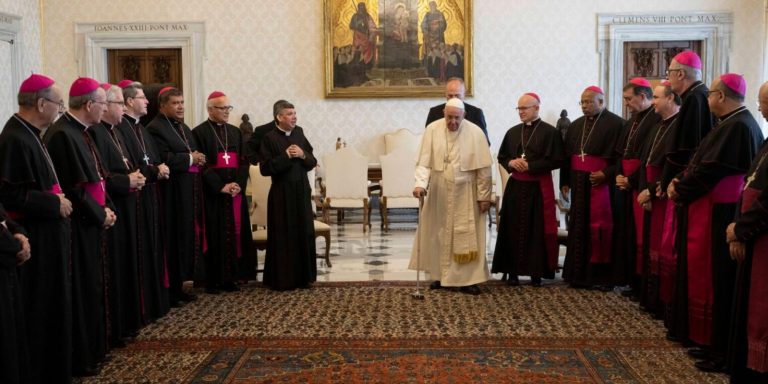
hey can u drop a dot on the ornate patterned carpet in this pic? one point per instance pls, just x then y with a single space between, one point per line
373 332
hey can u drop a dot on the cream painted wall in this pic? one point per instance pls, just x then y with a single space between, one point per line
261 51
32 54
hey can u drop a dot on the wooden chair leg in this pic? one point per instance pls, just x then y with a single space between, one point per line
384 214
365 215
497 213
328 249
490 219
327 211
339 214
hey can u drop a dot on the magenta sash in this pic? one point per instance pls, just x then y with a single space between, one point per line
194 169
757 326
221 162
630 166
668 253
700 293
550 216
657 223
96 190
56 189
600 218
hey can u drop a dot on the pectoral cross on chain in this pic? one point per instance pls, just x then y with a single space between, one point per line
582 156
146 159
226 157
749 181
523 156
125 161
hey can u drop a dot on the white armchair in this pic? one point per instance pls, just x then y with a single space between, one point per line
397 169
402 138
346 183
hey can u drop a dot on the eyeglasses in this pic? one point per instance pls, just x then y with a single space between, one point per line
586 102
671 70
225 109
709 92
522 109
120 103
60 103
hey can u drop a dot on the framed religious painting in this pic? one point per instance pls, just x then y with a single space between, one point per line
396 48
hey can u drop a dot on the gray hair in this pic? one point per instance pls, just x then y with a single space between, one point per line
459 79
131 90
77 102
691 73
280 106
112 92
29 99
275 112
729 93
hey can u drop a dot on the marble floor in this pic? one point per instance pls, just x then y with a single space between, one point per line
377 255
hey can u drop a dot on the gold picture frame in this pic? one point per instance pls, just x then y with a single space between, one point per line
396 48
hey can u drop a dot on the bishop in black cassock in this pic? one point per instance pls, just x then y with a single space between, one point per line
14 356
286 156
710 187
627 242
590 152
81 174
694 122
527 242
30 190
230 257
123 181
748 237
151 233
181 194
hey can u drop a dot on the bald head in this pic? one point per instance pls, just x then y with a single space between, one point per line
454 89
762 97
528 108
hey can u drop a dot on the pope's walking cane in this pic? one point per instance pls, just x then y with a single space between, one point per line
418 295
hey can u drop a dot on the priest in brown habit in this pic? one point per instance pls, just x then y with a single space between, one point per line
181 194
527 240
629 224
710 187
748 240
150 234
81 174
123 181
230 257
590 152
31 192
286 156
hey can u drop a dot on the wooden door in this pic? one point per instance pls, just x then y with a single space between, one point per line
155 68
650 59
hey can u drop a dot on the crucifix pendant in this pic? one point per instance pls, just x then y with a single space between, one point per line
125 161
749 181
226 157
582 156
146 159
523 156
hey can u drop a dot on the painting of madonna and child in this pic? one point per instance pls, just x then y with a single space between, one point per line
396 48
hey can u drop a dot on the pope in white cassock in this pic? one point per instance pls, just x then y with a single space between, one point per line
453 165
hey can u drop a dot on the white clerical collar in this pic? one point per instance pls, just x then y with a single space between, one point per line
135 119
76 119
287 133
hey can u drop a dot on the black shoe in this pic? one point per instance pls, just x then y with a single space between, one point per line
305 286
87 372
699 354
513 281
674 338
634 299
130 334
630 293
606 288
715 365
119 343
230 287
657 315
536 282
175 303
473 290
578 286
435 285
188 297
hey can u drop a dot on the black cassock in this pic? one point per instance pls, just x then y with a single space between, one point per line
694 122
521 246
628 148
182 199
653 156
78 166
291 254
151 240
254 142
14 356
726 151
46 284
751 226
230 255
125 310
598 141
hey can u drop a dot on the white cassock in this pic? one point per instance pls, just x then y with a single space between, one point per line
455 169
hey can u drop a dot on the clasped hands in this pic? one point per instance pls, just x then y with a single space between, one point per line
294 151
137 180
231 189
198 158
519 165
